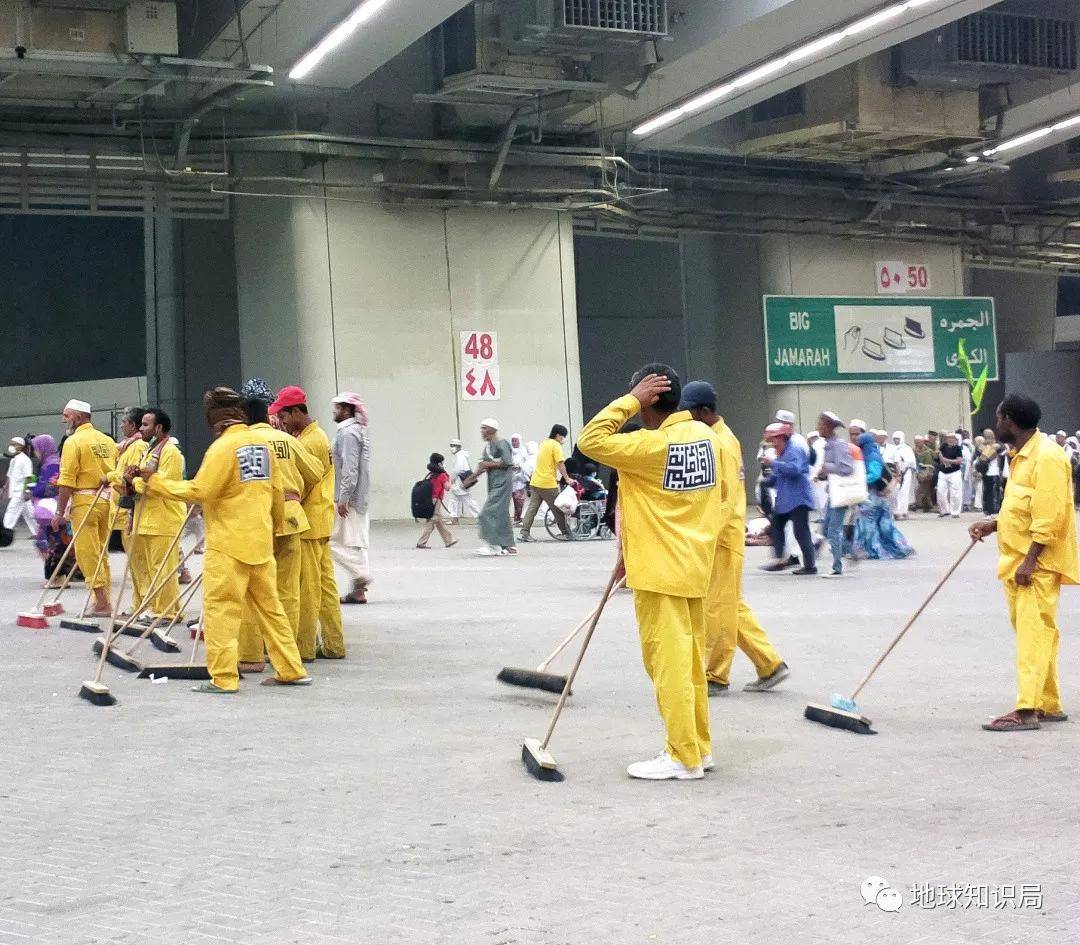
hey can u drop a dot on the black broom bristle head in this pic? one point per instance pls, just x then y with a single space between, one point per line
539 763
838 718
531 679
96 694
176 671
163 642
113 658
86 626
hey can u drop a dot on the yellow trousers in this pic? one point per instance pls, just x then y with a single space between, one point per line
93 536
1033 611
730 623
672 633
231 589
149 552
320 607
287 559
135 564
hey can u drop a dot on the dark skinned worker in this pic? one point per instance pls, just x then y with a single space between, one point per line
672 512
1036 531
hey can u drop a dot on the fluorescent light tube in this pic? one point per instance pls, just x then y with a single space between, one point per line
335 38
759 74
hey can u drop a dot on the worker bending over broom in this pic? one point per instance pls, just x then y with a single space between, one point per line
672 517
1036 531
239 487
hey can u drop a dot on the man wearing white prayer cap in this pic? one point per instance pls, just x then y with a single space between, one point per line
497 461
787 418
856 429
88 458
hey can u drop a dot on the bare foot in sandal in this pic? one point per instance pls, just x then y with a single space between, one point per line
1052 716
1020 720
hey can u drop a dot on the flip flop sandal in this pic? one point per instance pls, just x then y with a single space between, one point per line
894 339
1010 723
873 350
913 327
1052 716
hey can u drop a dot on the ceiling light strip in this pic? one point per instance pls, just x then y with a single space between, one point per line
811 50
364 12
1028 136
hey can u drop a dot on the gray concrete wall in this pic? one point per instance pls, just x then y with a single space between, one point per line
358 295
1026 305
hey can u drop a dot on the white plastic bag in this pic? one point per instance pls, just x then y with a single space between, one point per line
567 501
845 491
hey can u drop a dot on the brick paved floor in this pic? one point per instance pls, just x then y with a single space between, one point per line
388 803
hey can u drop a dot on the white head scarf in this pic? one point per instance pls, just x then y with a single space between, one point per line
905 455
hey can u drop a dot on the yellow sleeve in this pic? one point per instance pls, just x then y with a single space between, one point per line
623 451
209 482
277 507
1050 503
310 471
171 467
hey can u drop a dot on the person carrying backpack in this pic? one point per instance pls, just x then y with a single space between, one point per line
428 503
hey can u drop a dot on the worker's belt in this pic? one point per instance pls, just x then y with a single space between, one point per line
85 492
292 496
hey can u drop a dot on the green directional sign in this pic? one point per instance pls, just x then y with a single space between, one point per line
843 340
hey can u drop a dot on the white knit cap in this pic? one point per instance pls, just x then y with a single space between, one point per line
18 440
490 422
861 424
80 405
785 416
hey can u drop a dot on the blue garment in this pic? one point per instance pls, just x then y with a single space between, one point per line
871 457
876 534
792 471
834 531
838 460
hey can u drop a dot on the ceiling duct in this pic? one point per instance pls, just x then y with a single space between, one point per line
993 46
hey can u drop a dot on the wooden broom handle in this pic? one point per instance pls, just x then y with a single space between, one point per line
63 557
581 626
581 656
914 617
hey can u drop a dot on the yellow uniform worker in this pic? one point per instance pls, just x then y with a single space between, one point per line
299 474
160 519
672 515
729 620
88 458
130 452
238 486
320 606
1036 530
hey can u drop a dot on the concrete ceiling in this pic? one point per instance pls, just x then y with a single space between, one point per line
280 34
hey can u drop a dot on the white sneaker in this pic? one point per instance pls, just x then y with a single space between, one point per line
707 763
486 551
664 768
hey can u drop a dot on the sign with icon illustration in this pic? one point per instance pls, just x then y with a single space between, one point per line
837 340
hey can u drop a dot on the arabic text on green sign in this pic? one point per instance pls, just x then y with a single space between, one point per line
837 340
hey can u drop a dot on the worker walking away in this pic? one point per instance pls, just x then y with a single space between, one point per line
87 459
351 538
1036 531
547 478
161 517
672 513
239 486
729 620
299 475
130 450
320 607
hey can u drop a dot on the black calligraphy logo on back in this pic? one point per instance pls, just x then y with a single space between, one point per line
690 466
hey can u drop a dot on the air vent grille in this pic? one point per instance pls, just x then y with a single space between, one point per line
1007 39
633 16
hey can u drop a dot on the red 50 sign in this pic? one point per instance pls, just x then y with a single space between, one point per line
899 278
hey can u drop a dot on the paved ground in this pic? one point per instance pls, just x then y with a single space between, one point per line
388 803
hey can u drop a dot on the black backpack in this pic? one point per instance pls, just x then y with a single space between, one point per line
423 499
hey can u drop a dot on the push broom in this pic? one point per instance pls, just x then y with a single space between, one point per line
37 619
188 670
94 690
842 712
535 755
126 660
539 678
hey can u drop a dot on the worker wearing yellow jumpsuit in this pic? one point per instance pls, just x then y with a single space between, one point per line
88 458
320 606
299 473
160 520
672 514
130 452
729 620
1036 529
239 488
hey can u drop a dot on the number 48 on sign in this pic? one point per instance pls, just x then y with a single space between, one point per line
480 366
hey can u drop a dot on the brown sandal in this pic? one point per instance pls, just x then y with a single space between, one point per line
1012 722
1052 716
